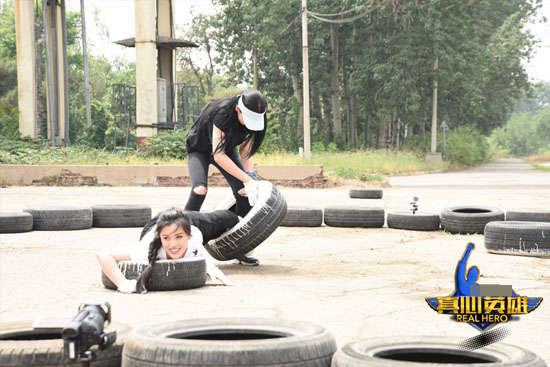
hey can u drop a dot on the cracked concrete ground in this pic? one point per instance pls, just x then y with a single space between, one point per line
358 283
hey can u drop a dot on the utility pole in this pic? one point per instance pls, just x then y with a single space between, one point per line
255 64
86 72
434 109
305 72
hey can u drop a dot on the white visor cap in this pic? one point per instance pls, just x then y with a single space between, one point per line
252 120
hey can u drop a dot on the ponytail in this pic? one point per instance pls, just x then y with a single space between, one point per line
143 279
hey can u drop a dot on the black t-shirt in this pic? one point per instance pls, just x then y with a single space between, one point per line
220 112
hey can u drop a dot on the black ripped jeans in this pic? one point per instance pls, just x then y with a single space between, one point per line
198 163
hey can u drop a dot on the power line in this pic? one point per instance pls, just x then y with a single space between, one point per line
347 20
292 21
341 13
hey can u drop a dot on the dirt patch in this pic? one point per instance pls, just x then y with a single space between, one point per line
66 178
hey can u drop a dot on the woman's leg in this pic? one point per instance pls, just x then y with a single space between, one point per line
243 206
197 163
214 224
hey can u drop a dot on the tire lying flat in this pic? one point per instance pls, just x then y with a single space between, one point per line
15 222
354 216
414 222
262 220
121 215
528 215
21 345
303 217
469 219
518 238
167 275
365 193
61 218
230 342
431 351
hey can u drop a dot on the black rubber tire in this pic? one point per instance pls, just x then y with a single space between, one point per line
376 352
469 219
528 215
49 352
413 222
366 193
353 216
61 218
167 275
121 215
518 238
303 344
303 217
262 220
15 222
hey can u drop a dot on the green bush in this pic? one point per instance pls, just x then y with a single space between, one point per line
317 146
524 133
332 147
466 145
9 122
170 144
418 144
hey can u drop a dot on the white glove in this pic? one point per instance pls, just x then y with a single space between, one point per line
251 189
216 274
128 286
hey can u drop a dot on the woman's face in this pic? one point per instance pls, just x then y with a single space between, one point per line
239 115
174 241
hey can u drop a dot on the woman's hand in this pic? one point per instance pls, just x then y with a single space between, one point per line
127 286
216 274
251 188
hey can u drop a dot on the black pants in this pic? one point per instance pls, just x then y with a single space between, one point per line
213 224
198 164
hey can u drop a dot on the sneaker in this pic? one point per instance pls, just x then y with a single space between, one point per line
248 261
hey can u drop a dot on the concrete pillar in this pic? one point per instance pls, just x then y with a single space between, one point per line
26 78
167 56
62 83
56 48
146 68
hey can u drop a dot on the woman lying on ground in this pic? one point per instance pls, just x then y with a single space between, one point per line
173 234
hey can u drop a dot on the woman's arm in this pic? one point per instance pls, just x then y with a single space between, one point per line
244 151
108 260
223 160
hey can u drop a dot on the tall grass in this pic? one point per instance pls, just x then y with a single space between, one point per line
543 157
365 165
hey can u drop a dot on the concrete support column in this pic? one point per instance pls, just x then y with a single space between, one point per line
26 78
146 68
58 119
167 56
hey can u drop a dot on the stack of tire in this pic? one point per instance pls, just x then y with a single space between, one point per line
230 342
470 219
22 345
431 351
252 342
67 218
525 232
338 216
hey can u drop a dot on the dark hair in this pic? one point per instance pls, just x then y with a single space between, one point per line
168 217
256 102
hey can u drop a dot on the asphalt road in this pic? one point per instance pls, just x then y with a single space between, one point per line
358 283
